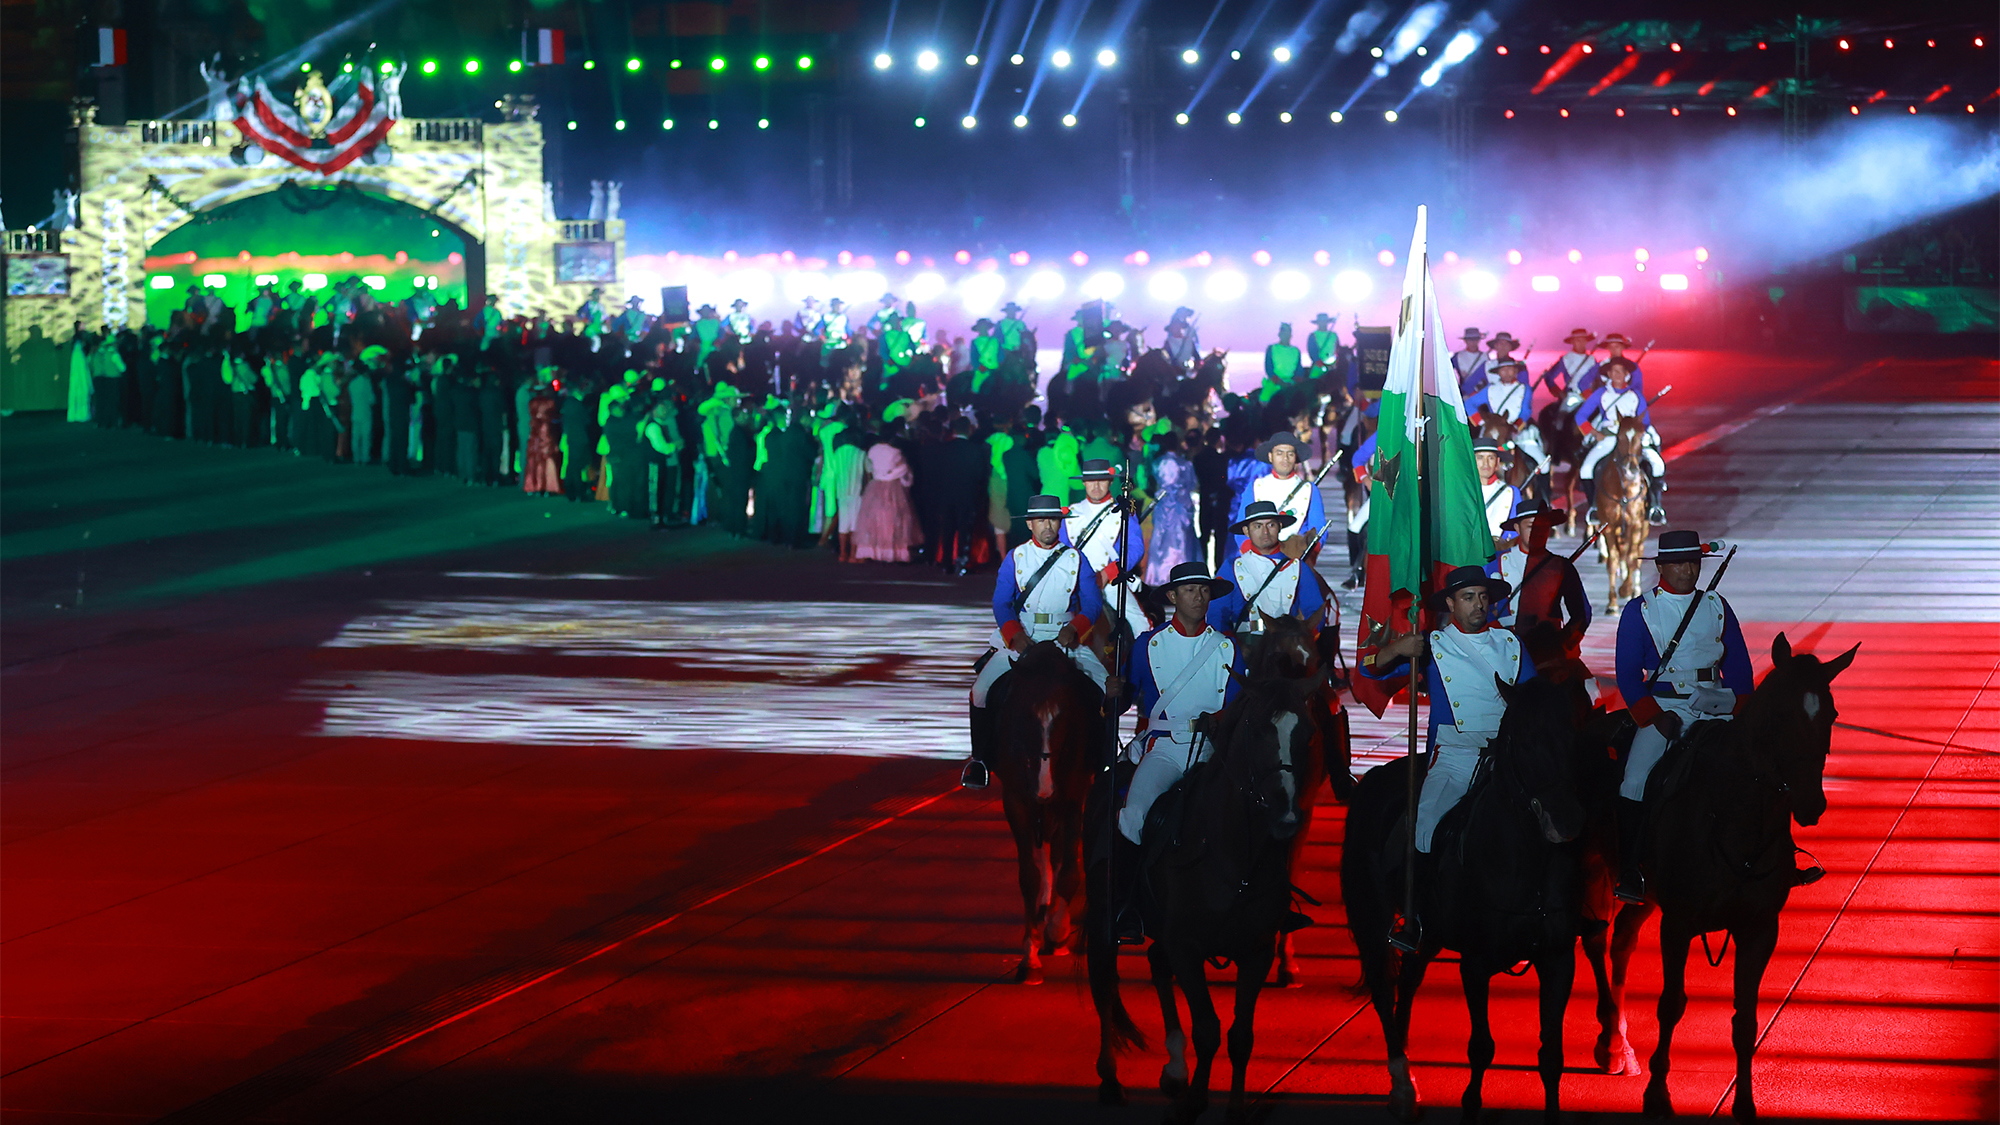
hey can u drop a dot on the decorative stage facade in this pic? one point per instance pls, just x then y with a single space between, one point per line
479 182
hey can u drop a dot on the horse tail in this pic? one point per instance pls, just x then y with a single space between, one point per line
1114 1021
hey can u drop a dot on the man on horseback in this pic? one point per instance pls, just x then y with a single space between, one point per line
1469 362
1506 398
1288 487
1616 343
1094 526
1464 657
1183 670
1598 419
1268 582
1499 497
1043 592
1704 676
1574 369
1546 588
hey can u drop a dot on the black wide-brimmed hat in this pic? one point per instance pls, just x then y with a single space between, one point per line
1322 319
1576 334
1042 506
1505 365
739 303
1618 338
983 324
1485 445
1506 338
1197 571
1465 577
1097 468
1473 334
1282 437
1537 511
1263 510
1682 546
1011 307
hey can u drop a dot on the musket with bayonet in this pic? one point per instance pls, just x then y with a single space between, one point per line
1250 603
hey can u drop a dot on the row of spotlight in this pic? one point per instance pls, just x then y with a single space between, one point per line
1061 58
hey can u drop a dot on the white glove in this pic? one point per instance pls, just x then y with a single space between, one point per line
1713 700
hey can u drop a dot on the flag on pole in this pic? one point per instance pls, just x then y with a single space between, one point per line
548 47
110 46
1424 511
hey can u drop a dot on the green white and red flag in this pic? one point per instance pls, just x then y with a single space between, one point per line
1424 511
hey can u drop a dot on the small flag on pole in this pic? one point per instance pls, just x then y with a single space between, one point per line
548 47
110 46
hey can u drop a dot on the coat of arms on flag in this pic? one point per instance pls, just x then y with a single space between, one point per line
323 129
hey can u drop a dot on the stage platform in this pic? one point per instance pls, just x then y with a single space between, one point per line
330 796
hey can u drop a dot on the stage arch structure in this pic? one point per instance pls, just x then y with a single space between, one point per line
144 182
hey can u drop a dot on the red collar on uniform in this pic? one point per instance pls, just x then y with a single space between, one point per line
1179 628
1274 475
1454 624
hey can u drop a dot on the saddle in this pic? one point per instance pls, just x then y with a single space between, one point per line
1670 775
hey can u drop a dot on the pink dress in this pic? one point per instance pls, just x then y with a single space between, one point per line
887 526
541 469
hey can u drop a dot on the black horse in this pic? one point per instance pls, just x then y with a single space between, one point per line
1717 852
1221 887
1505 888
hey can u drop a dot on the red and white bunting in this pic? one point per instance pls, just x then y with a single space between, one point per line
358 126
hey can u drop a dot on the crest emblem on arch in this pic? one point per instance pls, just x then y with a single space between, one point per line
319 130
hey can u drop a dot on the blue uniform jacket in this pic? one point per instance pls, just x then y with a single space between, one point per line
1134 552
1593 379
1586 414
1482 400
1315 506
1085 601
1139 671
1225 611
1638 656
1434 685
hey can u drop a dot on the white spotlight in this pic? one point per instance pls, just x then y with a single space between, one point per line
1042 285
799 286
1337 117
1060 58
1020 121
1389 116
1069 120
1104 286
1282 54
1225 285
981 292
753 285
1478 285
928 60
1180 118
1290 285
883 61
1351 287
927 286
1016 59
860 287
972 60
1107 57
968 121
1235 118
1167 285
1610 283
1674 281
1190 56
1545 283
1286 117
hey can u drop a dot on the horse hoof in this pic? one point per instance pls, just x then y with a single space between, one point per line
1628 1063
1110 1093
1657 1103
1171 1086
1288 978
1404 1107
1025 973
1744 1108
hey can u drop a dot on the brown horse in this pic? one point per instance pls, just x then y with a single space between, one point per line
1222 888
1717 852
1621 508
1048 730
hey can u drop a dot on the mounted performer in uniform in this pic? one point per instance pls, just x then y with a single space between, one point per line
1615 344
1094 526
1268 583
1505 410
1287 487
1469 362
1681 662
1499 497
1460 662
1598 420
1573 370
1547 609
1043 592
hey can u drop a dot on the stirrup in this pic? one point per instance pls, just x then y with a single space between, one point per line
1407 935
1626 894
974 776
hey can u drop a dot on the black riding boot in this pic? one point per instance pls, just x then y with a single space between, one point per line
976 773
1631 834
1655 512
1128 926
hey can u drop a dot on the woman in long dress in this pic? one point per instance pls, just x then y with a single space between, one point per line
541 467
1173 540
886 527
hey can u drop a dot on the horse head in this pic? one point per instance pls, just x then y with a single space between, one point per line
1047 725
1263 740
1536 752
1284 650
1793 714
1631 437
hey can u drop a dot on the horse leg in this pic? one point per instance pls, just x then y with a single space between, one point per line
1476 978
1674 939
1174 1075
1028 866
1555 976
1396 1030
1243 1031
1066 859
1624 938
1203 1023
1596 947
1753 953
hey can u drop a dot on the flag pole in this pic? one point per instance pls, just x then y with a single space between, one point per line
1417 592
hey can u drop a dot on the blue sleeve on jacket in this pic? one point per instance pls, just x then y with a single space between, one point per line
1134 554
1315 512
1586 412
1235 683
1736 672
1310 599
1478 400
1005 586
1089 599
1139 672
1637 655
1062 533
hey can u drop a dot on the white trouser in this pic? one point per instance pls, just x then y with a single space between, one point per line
1444 783
1134 616
1649 744
1602 447
1003 659
1167 758
1529 441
